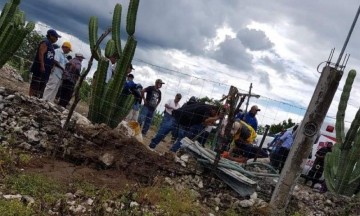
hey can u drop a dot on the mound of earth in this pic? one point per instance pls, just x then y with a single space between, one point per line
35 125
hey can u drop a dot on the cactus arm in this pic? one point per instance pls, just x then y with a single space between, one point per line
350 136
93 37
4 37
22 18
9 15
4 12
20 36
17 37
98 89
131 17
116 84
12 30
340 134
133 50
5 42
331 165
341 112
355 158
110 48
329 174
124 105
356 172
116 29
344 174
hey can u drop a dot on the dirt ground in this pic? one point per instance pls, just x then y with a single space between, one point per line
136 163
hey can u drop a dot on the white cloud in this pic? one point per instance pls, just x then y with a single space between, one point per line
197 41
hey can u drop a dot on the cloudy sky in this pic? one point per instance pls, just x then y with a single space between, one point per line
202 47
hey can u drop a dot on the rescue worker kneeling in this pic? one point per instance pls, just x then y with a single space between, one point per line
242 148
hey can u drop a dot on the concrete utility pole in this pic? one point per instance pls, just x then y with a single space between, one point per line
310 126
306 135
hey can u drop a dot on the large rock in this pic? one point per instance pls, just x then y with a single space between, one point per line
32 135
107 159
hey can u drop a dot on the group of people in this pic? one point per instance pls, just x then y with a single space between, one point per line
186 120
242 137
193 120
54 71
281 146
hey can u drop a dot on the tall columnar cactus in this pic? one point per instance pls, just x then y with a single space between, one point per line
342 165
12 30
108 104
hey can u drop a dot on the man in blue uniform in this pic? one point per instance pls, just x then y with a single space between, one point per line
250 117
43 64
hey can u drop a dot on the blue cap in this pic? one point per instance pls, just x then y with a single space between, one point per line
53 33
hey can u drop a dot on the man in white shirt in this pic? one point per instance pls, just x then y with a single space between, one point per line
52 86
167 123
111 69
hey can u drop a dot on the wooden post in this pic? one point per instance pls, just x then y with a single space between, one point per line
306 135
232 100
267 127
247 102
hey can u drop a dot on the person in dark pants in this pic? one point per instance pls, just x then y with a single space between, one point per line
43 64
70 77
317 169
192 119
205 135
151 101
282 149
167 123
243 149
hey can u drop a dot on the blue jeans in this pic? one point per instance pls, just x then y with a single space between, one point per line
189 132
145 119
166 126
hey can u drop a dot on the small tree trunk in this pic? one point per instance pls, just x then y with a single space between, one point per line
82 78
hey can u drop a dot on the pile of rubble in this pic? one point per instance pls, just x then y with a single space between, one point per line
31 123
10 72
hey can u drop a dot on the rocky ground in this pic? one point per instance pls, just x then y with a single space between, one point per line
95 170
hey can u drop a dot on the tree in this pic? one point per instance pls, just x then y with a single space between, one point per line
27 50
260 130
208 100
85 90
276 128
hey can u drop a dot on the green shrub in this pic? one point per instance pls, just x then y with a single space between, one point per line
85 90
14 208
170 201
36 186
